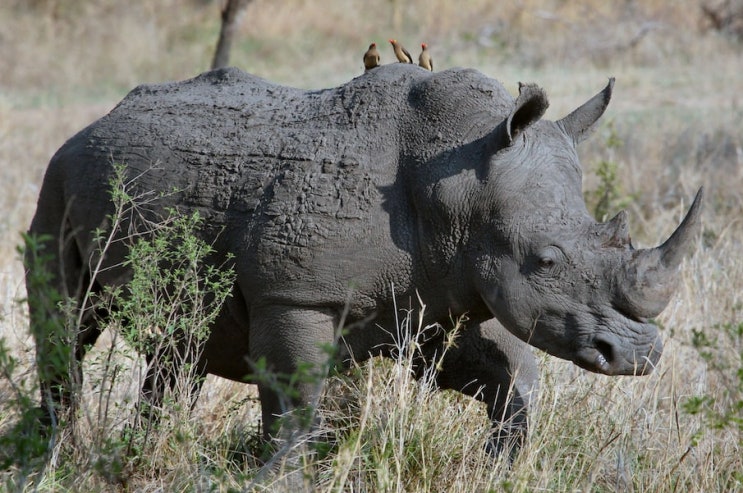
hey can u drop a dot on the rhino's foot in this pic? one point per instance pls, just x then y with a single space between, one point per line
290 467
505 443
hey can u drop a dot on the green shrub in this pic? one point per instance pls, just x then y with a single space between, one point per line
174 294
608 198
723 355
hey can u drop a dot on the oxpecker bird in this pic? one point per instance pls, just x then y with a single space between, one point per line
371 57
424 60
401 53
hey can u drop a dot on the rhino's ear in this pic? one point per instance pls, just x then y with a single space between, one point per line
530 107
580 123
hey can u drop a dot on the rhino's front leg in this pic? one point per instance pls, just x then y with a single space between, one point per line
290 349
495 367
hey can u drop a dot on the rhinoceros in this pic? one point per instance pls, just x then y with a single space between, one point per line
401 184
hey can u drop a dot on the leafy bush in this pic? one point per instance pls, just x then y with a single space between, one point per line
608 197
724 357
164 312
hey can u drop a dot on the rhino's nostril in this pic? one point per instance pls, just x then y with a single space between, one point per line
606 351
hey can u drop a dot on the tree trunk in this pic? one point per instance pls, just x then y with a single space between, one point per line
396 16
231 13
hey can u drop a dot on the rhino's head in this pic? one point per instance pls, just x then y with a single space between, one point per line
544 267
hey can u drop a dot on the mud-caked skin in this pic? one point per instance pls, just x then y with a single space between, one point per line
401 184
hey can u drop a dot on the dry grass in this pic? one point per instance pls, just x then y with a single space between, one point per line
677 111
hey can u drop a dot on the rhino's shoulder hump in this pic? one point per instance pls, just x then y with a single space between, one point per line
459 91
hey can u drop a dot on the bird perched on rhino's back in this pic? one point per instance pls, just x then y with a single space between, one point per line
424 60
401 53
371 57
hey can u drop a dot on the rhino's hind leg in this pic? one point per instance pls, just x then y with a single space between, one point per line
57 286
498 369
61 378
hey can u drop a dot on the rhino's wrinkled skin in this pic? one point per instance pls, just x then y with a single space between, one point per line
440 186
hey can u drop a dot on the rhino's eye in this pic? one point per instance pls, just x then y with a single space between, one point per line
549 257
546 262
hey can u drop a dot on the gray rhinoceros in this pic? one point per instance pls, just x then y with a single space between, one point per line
396 185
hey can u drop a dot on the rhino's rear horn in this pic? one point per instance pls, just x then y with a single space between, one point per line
530 107
580 123
616 231
650 278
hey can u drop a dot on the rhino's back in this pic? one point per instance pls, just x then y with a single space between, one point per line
235 144
294 181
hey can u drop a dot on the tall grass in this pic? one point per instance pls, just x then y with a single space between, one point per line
677 119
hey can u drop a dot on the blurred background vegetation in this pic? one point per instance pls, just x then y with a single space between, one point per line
95 48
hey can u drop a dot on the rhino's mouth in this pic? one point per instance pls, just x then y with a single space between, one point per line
595 360
608 356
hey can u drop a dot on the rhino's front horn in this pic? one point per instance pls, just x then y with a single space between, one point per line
650 278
